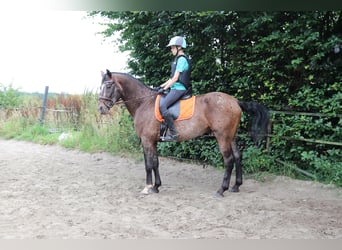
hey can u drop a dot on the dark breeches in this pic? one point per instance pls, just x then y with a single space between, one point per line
170 99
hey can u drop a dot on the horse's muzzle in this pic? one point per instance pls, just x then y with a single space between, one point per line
103 109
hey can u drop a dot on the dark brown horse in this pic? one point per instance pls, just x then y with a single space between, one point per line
215 112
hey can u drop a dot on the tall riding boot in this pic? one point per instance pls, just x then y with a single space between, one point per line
173 132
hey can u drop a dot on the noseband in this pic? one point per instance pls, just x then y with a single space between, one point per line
103 98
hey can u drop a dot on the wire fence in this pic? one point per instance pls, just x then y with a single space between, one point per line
318 141
59 116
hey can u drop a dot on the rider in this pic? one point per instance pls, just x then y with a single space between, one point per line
179 83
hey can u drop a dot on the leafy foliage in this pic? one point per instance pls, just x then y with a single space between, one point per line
9 97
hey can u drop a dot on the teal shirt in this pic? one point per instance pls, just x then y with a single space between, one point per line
182 65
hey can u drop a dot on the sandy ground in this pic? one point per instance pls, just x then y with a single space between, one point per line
48 192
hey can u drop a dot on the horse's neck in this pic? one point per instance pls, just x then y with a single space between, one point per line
134 93
133 89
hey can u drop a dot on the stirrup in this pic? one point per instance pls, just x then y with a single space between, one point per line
169 138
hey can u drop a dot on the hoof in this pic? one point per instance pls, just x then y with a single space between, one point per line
155 190
234 189
218 195
147 190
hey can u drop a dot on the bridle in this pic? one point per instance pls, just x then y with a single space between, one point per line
120 101
103 98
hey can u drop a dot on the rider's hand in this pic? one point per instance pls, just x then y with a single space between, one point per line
161 90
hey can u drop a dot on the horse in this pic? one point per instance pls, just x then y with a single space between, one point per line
216 113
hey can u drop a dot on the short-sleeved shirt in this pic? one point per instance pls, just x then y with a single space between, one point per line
182 65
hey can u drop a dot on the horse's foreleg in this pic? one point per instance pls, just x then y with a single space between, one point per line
151 164
238 167
157 181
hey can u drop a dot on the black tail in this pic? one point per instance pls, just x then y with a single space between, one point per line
260 124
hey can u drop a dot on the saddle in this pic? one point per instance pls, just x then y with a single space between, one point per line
183 109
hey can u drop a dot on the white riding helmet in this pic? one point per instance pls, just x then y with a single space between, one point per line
177 41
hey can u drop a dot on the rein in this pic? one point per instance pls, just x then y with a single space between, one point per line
122 101
112 103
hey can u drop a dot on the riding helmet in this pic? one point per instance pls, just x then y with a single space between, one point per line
177 41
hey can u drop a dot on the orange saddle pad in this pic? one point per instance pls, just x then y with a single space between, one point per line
187 108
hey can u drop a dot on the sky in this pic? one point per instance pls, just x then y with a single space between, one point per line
59 49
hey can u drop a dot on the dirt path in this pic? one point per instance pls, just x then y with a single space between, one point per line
49 192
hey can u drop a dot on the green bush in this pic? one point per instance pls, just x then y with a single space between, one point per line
9 97
323 168
198 149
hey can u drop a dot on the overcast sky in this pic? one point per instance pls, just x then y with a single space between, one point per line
59 49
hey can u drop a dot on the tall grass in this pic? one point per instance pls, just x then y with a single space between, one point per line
76 118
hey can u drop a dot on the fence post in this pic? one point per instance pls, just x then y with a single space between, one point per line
42 116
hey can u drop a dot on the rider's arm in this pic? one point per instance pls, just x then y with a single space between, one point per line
171 81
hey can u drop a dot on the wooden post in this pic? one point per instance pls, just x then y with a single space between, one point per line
42 116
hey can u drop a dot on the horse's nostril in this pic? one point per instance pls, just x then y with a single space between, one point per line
103 110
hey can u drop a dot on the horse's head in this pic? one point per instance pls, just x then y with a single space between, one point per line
109 93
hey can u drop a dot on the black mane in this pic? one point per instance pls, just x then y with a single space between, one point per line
132 77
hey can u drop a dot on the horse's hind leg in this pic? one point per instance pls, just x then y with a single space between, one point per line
238 167
228 160
231 154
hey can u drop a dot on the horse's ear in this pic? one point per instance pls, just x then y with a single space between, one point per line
109 73
102 73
